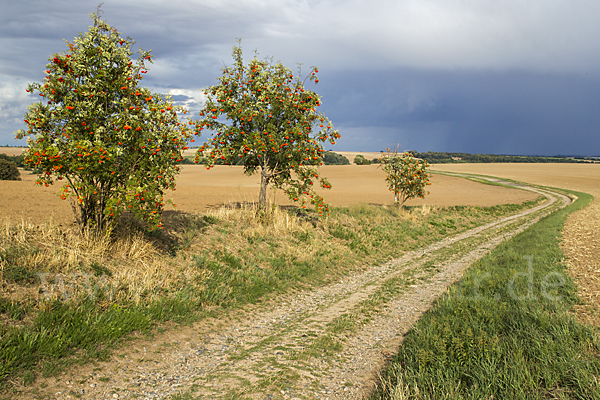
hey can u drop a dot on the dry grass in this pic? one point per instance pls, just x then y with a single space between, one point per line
259 236
42 262
393 387
56 249
126 267
277 232
255 221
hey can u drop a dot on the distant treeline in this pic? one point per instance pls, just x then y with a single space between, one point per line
329 158
432 157
435 157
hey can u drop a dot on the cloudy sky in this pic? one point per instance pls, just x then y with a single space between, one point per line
477 76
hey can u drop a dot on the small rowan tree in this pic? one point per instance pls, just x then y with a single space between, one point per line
114 143
272 127
406 175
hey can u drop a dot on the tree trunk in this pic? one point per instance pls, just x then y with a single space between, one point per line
264 182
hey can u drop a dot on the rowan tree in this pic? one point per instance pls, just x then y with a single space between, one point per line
406 175
114 143
264 118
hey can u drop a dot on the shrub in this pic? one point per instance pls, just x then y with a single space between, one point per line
9 171
331 158
361 160
186 160
16 159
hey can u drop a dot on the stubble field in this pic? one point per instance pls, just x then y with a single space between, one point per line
581 177
199 189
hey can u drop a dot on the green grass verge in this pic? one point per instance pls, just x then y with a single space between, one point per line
234 268
505 332
62 335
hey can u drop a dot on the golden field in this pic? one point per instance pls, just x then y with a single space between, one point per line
199 189
581 177
12 151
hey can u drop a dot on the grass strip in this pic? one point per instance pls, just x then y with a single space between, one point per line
66 334
505 332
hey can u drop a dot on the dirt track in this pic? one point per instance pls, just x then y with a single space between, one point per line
268 352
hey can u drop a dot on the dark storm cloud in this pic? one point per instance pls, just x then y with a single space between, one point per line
467 111
448 75
32 30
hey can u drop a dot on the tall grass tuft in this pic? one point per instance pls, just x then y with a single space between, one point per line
258 221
